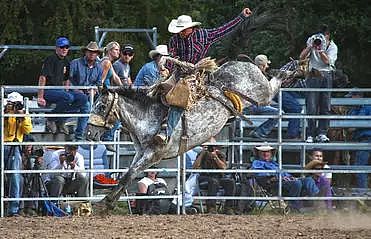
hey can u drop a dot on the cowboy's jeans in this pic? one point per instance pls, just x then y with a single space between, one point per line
12 161
265 128
82 122
175 113
291 105
319 103
362 159
108 135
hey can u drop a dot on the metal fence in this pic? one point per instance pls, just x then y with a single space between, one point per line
181 170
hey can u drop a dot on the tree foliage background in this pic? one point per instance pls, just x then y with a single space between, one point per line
279 29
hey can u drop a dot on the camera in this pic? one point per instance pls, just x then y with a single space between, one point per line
210 148
317 40
36 153
68 157
14 106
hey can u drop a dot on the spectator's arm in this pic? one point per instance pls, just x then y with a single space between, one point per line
79 165
40 94
106 65
142 188
305 52
200 156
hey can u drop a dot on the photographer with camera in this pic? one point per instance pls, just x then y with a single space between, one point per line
212 158
68 183
14 130
322 53
33 186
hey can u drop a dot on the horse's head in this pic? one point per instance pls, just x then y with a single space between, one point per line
104 114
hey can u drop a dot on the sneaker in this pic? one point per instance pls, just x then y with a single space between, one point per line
322 138
110 147
160 138
309 139
62 128
51 127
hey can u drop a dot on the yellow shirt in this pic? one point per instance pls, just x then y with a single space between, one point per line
10 130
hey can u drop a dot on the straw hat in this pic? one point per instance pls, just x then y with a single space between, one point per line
314 163
92 46
181 23
160 49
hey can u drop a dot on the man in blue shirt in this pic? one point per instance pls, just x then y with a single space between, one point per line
153 70
85 71
291 186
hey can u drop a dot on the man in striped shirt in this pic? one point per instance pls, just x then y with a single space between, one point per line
191 43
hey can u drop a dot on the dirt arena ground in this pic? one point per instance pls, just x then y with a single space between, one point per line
190 226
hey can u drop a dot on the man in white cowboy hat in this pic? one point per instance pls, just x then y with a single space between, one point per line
14 130
85 71
153 70
191 43
292 187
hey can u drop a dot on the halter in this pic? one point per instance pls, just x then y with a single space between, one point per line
102 121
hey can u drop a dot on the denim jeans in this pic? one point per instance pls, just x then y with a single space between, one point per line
13 161
319 103
265 128
70 101
362 159
291 105
108 135
175 113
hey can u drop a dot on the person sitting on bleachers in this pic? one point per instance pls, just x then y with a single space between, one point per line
71 183
212 158
291 186
151 185
321 181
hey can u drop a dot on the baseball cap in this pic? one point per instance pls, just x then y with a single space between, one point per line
62 41
262 60
127 48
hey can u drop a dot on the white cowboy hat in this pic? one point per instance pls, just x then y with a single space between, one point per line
160 49
181 23
264 148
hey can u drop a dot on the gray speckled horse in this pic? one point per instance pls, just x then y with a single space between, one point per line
142 116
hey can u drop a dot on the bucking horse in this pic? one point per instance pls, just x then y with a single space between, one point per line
142 115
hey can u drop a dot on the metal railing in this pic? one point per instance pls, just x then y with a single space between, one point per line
181 169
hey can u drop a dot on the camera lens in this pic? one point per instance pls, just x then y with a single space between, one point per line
317 42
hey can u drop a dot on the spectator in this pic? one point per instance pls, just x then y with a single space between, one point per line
85 71
109 77
322 183
112 53
122 66
154 70
14 130
291 186
32 159
54 72
317 154
191 43
289 105
263 130
362 135
151 185
322 53
71 183
212 158
191 156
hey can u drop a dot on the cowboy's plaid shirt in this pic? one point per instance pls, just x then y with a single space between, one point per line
195 47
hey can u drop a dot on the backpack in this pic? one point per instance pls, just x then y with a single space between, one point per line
50 209
157 206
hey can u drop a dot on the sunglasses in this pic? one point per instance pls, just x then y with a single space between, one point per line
64 47
128 53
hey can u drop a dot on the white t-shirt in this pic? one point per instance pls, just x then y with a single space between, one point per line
147 181
327 175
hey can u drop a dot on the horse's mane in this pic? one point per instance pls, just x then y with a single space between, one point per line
136 94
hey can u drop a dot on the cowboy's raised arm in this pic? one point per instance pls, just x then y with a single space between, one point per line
216 34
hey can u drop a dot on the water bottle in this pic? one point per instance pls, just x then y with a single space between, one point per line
68 209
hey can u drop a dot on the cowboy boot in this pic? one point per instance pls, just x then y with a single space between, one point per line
161 136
